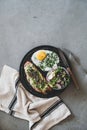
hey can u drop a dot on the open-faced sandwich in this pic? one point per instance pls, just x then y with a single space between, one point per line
36 79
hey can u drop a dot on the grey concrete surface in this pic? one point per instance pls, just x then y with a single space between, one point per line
25 24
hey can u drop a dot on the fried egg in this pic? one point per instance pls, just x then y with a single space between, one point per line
45 59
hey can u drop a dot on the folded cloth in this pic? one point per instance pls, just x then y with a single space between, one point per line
41 113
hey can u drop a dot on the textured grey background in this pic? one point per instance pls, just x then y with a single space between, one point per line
25 24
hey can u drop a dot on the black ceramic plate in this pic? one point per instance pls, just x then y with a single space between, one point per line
23 79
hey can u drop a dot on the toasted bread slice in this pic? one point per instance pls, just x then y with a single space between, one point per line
36 79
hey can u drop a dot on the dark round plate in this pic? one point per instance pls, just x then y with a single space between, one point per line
23 79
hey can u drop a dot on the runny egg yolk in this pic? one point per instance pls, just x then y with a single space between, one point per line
41 55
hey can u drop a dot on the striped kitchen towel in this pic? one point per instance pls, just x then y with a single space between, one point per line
41 113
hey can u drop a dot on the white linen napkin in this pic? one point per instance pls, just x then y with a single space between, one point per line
41 113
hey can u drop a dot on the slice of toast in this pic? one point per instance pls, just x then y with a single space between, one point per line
36 79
